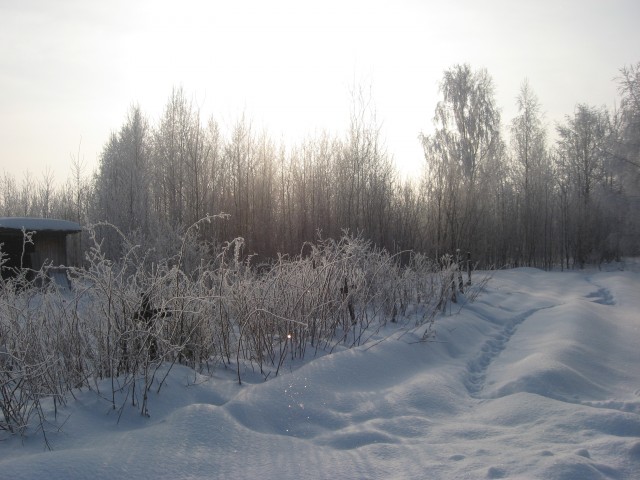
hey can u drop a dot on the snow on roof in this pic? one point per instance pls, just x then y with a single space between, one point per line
38 224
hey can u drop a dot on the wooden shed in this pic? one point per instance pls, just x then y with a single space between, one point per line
48 242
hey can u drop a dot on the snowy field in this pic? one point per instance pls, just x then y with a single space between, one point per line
538 378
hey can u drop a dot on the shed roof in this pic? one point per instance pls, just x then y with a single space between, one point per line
30 224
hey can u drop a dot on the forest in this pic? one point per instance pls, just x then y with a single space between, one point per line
512 192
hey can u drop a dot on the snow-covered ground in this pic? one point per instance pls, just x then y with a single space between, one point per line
539 378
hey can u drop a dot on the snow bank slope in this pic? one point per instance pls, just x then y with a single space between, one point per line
539 378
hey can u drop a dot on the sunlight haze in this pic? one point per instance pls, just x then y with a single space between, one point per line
71 69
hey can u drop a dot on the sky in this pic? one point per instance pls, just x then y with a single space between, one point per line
71 69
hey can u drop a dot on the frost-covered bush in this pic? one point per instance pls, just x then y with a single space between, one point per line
204 306
43 351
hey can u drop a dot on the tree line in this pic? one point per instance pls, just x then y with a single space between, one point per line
511 194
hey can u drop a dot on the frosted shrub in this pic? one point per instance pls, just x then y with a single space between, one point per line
205 306
42 351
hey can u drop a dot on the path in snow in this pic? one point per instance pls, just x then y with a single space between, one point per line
477 367
495 344
602 295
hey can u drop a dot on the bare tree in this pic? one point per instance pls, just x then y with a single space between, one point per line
626 154
529 154
365 174
121 196
460 154
582 149
44 194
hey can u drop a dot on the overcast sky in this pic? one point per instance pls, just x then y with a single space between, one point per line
70 69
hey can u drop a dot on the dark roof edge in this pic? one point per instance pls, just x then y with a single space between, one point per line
32 224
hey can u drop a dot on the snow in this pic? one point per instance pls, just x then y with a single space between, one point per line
38 224
538 378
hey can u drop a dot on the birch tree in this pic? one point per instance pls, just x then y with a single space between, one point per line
121 195
582 149
528 146
626 152
458 154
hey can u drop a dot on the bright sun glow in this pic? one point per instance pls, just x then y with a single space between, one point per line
74 68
